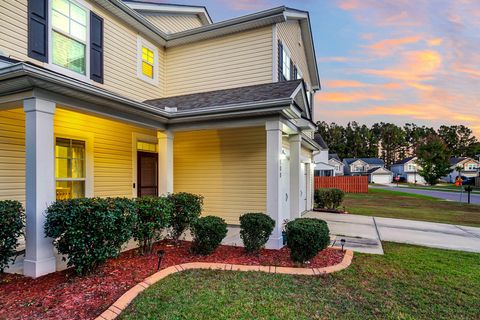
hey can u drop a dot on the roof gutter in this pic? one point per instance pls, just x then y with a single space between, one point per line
23 69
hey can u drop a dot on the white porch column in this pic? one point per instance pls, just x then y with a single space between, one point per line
310 181
274 208
40 185
165 162
295 148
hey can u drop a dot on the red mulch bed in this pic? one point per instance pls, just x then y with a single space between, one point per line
62 295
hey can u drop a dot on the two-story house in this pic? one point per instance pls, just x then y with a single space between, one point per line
408 169
469 168
335 161
108 98
374 168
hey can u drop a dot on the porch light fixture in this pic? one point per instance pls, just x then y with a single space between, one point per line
342 242
160 254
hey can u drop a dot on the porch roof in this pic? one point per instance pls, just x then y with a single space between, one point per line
269 92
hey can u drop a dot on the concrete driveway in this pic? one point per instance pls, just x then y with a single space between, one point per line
364 234
446 195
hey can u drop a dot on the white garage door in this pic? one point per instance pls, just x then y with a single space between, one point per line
303 187
382 179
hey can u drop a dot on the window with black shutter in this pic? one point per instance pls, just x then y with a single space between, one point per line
38 30
96 48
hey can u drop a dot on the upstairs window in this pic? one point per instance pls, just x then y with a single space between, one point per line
69 35
411 167
286 69
147 61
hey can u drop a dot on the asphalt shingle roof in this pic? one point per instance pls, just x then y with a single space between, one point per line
403 161
218 98
376 161
319 139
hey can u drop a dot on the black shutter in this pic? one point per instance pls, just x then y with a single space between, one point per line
292 72
295 73
280 61
96 48
38 30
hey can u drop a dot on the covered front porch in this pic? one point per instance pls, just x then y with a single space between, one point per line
68 139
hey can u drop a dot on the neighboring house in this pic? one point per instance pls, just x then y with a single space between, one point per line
104 98
374 168
322 166
335 161
470 168
408 169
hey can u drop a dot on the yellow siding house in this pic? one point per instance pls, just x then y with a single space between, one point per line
111 98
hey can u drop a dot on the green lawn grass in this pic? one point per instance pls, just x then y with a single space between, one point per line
402 205
408 282
450 187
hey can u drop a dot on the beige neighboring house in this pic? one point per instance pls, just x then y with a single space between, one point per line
105 98
408 169
470 168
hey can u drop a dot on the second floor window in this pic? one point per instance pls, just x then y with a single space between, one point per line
411 167
147 61
286 65
69 35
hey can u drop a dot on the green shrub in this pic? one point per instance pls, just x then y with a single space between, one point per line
12 217
208 232
153 216
329 198
255 229
187 208
89 231
306 237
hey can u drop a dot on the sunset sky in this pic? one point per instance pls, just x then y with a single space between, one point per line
394 61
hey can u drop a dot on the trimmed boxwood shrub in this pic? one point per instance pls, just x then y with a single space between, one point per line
89 231
329 198
306 237
153 216
12 217
208 232
187 208
255 229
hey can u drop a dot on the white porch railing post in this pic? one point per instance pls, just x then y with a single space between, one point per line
295 168
274 208
40 185
165 162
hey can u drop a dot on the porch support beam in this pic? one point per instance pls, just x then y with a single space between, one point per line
40 185
295 172
274 197
165 162
310 187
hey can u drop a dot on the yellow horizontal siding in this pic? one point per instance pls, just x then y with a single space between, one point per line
112 151
235 60
120 50
227 167
173 23
12 155
290 35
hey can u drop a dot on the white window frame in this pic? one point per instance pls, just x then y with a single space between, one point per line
89 179
286 64
410 167
141 42
62 70
471 166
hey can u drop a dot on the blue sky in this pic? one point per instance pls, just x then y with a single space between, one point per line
393 60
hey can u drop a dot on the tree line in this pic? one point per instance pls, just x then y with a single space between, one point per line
392 143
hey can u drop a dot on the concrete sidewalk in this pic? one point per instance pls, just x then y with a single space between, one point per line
364 233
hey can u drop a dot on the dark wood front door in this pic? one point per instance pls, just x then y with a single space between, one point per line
147 175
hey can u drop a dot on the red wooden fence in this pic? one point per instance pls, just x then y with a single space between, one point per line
350 184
